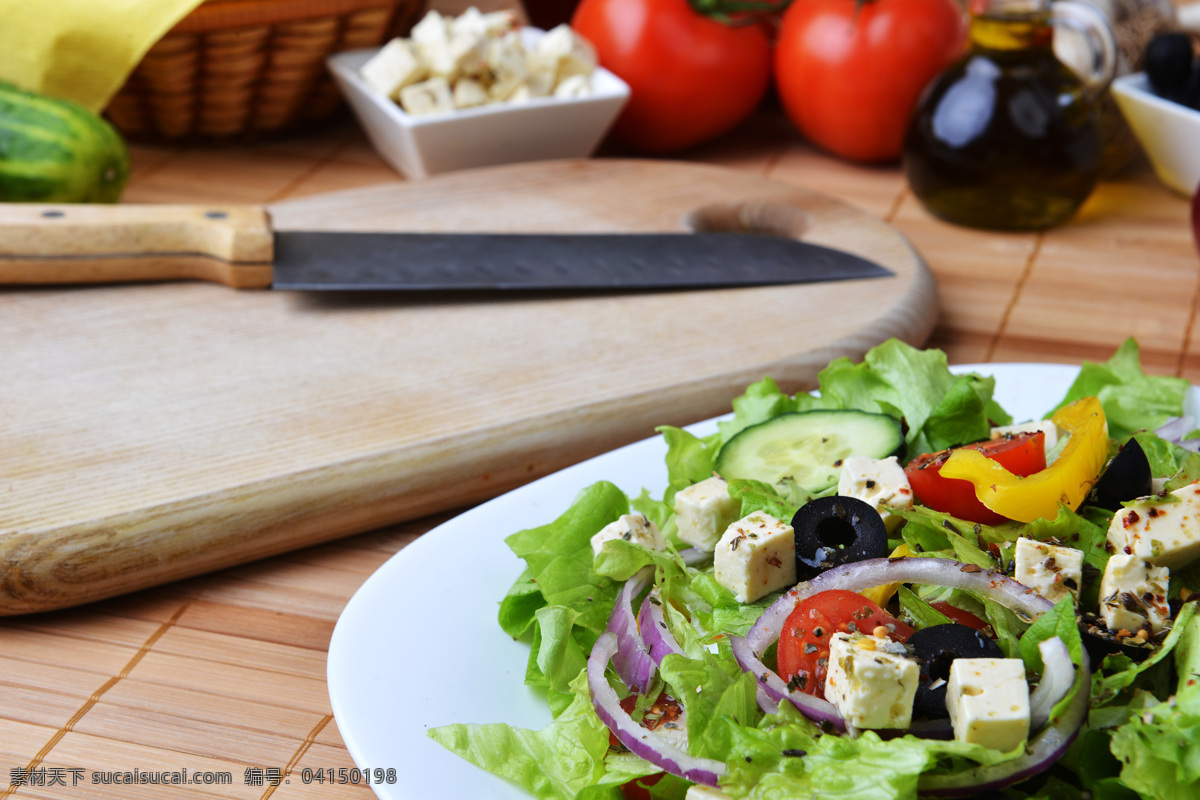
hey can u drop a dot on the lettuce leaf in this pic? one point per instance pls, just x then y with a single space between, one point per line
759 496
787 757
555 763
1120 672
712 690
1160 747
760 402
690 459
559 556
520 605
1058 621
1132 400
917 386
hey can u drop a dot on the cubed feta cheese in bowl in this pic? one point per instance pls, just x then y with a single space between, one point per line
533 116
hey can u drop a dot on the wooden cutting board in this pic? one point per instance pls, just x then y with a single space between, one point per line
154 432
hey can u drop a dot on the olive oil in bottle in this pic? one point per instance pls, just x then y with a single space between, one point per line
1007 138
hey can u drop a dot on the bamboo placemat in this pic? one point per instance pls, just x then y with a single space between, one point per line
224 675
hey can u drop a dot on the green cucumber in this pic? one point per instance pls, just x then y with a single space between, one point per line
56 151
806 448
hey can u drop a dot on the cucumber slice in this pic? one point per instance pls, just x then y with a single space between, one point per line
806 448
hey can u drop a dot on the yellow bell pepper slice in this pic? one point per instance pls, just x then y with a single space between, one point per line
1067 481
880 595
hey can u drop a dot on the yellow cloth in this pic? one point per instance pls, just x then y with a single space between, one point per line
81 50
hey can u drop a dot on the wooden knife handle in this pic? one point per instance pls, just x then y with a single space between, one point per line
78 243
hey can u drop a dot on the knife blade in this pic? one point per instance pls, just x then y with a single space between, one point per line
236 246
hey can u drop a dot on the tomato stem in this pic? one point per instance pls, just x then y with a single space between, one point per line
737 12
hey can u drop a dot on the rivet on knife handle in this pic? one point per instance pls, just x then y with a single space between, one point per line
88 244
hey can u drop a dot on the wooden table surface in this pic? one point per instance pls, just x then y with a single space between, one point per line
225 673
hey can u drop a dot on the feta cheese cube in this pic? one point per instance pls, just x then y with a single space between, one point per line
879 482
756 556
632 528
1164 532
469 92
427 97
472 22
505 60
564 53
395 66
433 31
1133 594
988 701
1046 426
869 686
574 86
483 59
449 51
1050 570
698 791
703 511
540 84
522 94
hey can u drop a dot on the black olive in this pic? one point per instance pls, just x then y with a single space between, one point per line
937 646
1127 476
836 530
1168 64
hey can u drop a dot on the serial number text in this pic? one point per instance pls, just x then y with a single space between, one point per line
348 775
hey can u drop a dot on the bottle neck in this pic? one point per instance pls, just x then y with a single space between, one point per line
1002 29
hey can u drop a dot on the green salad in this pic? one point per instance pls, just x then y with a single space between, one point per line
886 589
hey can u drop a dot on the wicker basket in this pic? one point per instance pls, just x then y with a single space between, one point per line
244 68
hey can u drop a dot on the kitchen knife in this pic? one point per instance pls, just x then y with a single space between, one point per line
236 246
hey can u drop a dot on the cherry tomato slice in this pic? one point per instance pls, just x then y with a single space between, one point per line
1021 454
665 709
962 617
803 654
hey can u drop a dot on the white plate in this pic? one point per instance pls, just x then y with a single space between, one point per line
418 645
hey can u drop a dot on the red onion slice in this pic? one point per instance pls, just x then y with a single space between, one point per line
631 659
652 624
775 691
1175 428
1057 677
856 577
1043 750
652 746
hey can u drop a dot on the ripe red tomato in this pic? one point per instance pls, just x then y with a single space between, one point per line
803 652
849 73
691 78
1022 455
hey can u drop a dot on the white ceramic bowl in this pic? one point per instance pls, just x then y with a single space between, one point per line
498 133
1168 132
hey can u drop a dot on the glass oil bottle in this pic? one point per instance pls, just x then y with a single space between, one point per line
1008 137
